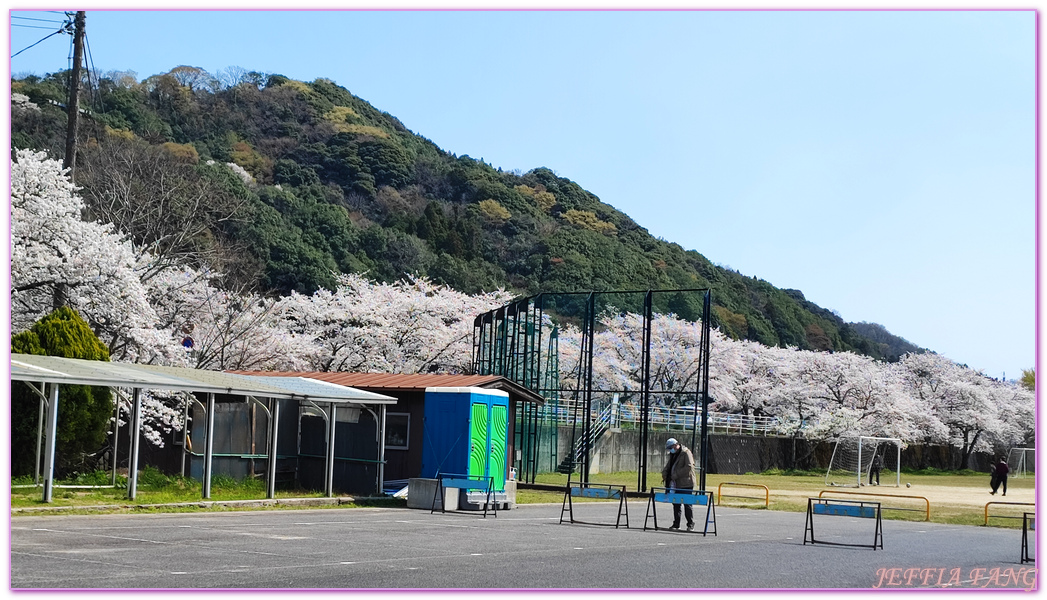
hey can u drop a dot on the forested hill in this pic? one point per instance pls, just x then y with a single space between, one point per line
324 182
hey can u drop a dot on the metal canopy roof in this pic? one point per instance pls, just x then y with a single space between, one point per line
417 382
54 369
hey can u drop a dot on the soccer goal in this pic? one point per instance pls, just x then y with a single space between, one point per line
1022 462
853 459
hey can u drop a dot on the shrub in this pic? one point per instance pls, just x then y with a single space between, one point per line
94 478
83 411
152 477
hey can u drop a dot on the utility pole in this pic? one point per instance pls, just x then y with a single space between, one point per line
60 296
73 107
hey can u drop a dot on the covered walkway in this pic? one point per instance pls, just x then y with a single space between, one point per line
45 374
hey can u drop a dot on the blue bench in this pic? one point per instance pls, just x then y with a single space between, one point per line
860 509
600 491
678 496
463 482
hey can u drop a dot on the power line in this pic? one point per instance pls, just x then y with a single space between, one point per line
94 88
41 20
32 27
28 47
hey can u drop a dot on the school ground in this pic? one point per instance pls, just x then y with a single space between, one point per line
524 548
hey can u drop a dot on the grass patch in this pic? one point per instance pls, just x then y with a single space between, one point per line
154 488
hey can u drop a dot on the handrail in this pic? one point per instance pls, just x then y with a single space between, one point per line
927 517
767 492
1005 516
682 418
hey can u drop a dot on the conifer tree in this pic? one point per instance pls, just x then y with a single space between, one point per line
83 411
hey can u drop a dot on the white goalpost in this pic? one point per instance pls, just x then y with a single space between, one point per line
1022 462
854 457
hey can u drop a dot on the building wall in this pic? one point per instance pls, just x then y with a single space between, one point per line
404 464
241 429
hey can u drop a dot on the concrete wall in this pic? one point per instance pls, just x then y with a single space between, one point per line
735 454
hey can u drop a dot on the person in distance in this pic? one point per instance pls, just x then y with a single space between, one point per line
678 474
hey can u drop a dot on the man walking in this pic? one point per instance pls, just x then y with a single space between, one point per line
1000 477
678 474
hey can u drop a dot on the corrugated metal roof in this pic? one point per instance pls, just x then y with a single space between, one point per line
56 369
415 382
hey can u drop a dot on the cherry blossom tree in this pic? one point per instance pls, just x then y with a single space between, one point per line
218 329
409 326
745 373
59 259
815 395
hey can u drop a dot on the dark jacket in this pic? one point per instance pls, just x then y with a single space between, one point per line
1002 469
682 469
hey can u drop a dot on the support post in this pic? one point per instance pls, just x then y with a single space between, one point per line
860 469
116 432
135 434
381 449
587 361
41 417
898 466
645 388
185 432
704 367
332 425
49 446
274 430
208 446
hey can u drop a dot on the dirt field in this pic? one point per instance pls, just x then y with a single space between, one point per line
950 497
953 498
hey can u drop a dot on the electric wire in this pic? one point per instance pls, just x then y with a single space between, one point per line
41 20
32 27
30 46
96 85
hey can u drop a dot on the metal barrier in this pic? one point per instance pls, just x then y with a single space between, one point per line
687 497
767 492
1005 516
927 515
1028 524
602 491
463 482
863 509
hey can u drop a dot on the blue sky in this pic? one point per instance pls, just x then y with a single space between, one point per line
883 162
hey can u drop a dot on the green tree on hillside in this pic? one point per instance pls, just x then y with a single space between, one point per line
1029 379
83 411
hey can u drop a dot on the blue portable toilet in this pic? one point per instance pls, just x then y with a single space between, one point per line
466 432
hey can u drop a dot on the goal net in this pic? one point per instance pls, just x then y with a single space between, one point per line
1022 462
854 458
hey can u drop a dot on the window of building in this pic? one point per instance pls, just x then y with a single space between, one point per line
397 430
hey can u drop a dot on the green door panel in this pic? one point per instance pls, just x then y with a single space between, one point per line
478 425
499 444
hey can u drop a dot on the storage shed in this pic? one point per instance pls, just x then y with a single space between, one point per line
405 429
